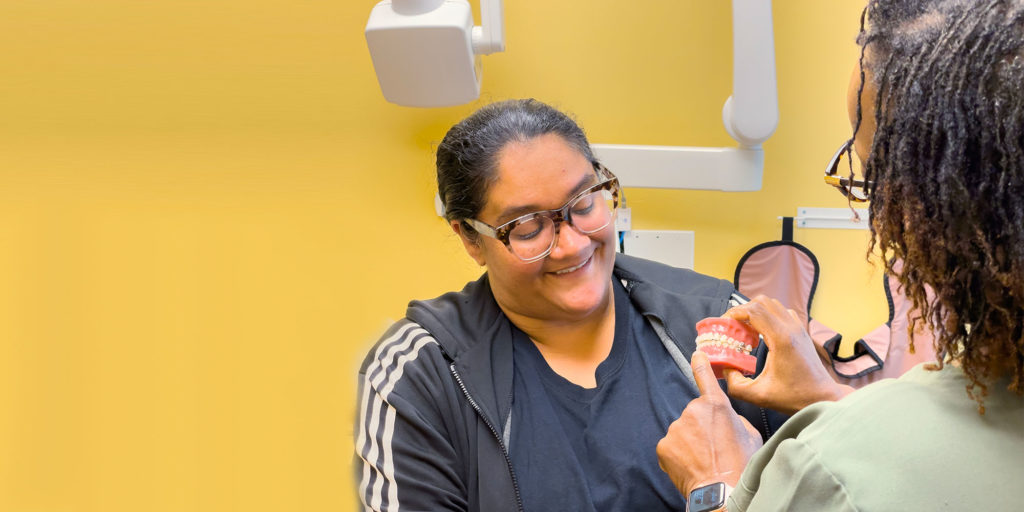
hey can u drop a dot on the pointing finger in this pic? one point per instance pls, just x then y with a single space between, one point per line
707 383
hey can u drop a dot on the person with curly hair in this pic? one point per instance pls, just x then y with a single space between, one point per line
937 108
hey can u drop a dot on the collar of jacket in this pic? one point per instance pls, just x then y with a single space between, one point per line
476 336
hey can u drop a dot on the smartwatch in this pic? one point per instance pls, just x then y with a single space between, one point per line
710 498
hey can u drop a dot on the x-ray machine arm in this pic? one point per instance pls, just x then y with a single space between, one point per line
750 116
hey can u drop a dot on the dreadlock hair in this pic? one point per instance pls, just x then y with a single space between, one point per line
946 172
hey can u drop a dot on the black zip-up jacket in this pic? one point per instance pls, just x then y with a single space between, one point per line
435 392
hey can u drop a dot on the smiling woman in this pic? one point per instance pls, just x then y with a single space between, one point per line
570 285
545 384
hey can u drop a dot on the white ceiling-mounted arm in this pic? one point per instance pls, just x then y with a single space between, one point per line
750 116
489 37
427 52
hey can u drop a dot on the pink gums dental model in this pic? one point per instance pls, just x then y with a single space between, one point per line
728 343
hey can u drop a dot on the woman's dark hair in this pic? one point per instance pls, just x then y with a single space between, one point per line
467 158
947 166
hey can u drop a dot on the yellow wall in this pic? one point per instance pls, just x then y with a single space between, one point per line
207 211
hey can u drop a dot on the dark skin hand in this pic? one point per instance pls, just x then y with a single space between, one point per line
711 443
793 375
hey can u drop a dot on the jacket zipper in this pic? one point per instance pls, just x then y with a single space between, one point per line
497 436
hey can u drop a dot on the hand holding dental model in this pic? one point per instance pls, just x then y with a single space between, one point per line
793 376
709 442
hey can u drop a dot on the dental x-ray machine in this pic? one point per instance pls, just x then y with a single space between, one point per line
427 53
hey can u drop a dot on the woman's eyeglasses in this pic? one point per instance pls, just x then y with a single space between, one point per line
855 190
532 236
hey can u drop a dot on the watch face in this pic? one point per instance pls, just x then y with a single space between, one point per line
707 498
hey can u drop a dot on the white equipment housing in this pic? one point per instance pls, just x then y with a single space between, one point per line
426 52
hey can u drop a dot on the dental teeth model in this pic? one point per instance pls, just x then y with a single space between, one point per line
727 343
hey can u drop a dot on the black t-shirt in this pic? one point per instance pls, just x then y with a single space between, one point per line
582 449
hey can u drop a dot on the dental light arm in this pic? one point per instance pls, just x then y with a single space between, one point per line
489 37
752 112
750 116
426 52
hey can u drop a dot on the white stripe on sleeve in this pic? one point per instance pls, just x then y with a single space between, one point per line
381 377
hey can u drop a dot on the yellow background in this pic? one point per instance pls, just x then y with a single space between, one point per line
208 211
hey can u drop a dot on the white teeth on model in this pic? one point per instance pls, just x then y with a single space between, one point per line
573 269
718 339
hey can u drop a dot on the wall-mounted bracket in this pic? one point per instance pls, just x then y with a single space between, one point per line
832 218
